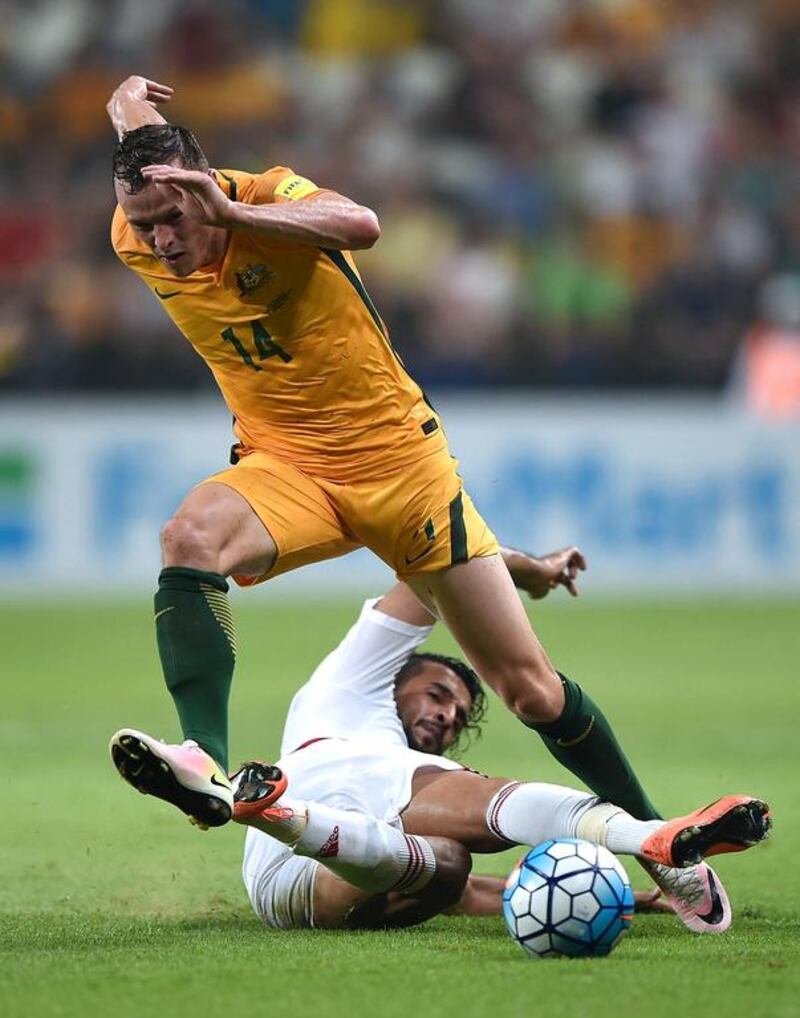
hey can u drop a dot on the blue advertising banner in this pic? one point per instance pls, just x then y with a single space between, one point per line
672 495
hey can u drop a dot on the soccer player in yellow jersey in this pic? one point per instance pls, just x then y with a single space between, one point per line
337 448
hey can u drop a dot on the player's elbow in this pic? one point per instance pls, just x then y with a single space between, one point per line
363 229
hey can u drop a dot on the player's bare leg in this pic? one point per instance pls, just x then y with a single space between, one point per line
215 529
214 533
482 609
480 605
488 814
456 802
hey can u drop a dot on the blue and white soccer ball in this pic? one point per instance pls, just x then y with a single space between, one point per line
568 897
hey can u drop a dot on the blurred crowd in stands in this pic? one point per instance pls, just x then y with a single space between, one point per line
573 193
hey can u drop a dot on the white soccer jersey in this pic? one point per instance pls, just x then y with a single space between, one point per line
351 693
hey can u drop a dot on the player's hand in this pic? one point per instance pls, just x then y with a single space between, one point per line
135 103
558 569
144 90
197 194
651 901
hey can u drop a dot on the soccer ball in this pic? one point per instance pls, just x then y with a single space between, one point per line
567 897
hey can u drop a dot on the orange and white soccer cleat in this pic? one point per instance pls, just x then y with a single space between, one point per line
256 787
731 824
697 895
184 775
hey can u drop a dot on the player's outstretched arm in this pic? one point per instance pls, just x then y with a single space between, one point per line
323 220
134 104
539 575
484 896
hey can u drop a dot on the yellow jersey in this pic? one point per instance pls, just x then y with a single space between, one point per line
301 356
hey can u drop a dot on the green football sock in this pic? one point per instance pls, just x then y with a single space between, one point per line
197 645
582 740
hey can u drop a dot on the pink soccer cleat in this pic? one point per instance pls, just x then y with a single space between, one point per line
696 893
184 775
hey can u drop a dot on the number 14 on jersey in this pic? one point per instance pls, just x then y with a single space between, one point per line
263 345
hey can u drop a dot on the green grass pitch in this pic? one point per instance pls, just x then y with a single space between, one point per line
111 904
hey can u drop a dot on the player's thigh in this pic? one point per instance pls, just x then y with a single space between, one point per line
454 805
482 609
416 518
215 528
292 509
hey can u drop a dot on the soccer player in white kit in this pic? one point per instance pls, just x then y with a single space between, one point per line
364 823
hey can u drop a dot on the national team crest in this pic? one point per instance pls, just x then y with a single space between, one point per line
253 277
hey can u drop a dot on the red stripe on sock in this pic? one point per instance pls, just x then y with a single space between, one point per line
412 862
416 864
494 814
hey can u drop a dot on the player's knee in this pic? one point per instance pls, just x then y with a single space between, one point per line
186 541
533 695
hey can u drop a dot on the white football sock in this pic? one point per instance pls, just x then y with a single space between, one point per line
606 824
625 835
525 814
285 820
364 851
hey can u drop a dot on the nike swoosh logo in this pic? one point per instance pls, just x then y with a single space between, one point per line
219 784
163 612
416 558
166 296
714 914
566 743
430 534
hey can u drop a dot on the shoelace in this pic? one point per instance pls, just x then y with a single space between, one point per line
685 884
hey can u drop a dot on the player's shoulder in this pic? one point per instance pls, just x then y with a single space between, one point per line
276 183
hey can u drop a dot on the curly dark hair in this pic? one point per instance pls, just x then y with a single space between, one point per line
155 143
472 729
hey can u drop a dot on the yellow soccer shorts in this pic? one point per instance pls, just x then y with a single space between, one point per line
418 519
